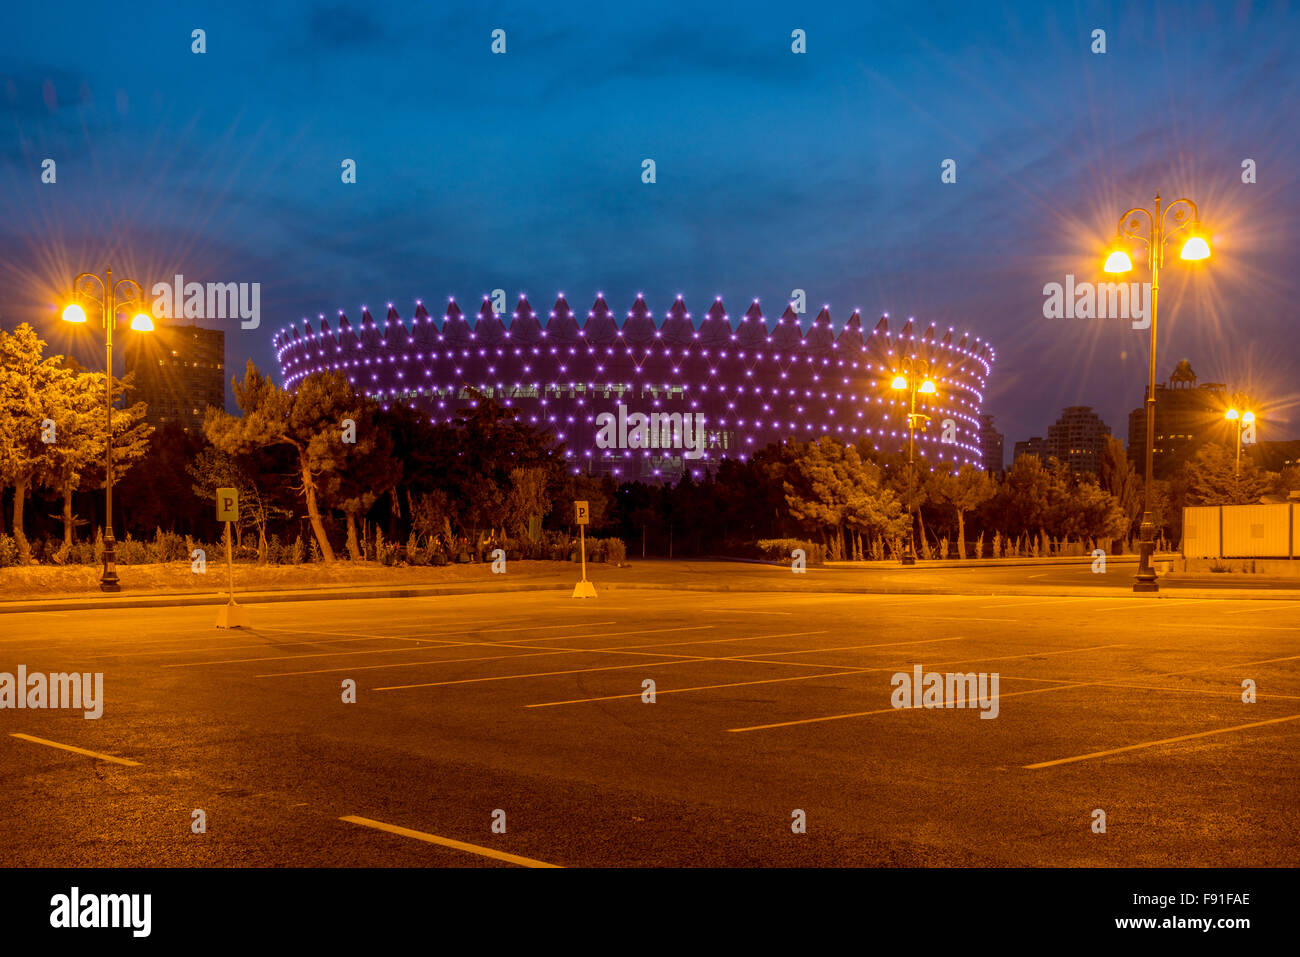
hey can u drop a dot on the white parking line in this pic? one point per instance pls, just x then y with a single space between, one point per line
447 842
75 750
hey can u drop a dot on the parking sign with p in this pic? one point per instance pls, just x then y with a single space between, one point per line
227 505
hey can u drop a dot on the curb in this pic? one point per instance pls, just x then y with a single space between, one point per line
193 599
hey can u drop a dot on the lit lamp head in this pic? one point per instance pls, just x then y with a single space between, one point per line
1197 247
1118 261
1232 415
900 382
74 313
928 387
1248 418
141 322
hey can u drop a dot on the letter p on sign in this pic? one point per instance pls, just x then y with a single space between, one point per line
581 514
227 505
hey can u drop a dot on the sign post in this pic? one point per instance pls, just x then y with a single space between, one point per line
582 518
230 615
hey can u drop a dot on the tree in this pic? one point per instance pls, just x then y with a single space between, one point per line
367 472
1021 504
1082 509
478 452
31 391
828 486
963 491
1117 476
1213 478
310 420
213 469
527 498
79 404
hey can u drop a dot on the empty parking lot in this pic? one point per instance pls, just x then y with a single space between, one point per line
530 709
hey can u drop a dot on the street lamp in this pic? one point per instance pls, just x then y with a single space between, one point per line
914 376
1186 218
109 302
1244 420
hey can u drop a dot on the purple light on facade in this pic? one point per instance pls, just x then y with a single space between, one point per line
721 371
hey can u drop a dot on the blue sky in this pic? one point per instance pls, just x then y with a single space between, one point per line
775 171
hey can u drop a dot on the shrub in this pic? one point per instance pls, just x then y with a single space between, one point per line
130 552
167 547
8 551
297 551
385 552
81 553
780 549
616 551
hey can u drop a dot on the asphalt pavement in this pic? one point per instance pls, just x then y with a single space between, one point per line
530 710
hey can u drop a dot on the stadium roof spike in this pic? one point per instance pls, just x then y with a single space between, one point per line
488 328
562 325
639 325
752 332
455 330
524 327
600 325
715 328
678 327
393 321
787 334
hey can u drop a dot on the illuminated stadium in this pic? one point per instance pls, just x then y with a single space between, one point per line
752 386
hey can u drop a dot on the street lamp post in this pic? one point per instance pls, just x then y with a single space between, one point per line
1244 420
914 376
109 302
1185 216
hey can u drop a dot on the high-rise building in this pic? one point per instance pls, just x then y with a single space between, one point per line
1187 416
179 371
990 446
1078 438
1035 447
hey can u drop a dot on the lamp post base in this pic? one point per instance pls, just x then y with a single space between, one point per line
1145 580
